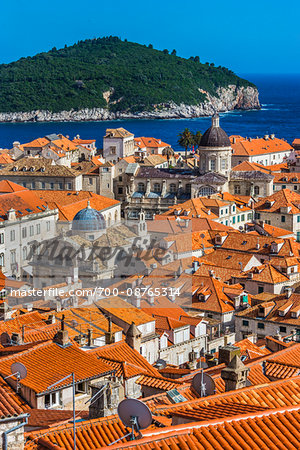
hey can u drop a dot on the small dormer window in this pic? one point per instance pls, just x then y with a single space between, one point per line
15 168
32 169
24 169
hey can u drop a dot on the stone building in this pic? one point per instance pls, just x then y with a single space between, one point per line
41 173
267 151
24 218
117 143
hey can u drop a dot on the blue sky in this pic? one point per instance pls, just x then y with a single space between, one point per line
258 36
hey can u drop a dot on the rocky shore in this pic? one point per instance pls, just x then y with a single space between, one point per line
228 99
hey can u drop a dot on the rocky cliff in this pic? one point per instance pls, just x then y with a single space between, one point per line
227 99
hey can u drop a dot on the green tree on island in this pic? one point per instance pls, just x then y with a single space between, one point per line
185 139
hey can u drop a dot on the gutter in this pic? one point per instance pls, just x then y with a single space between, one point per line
5 433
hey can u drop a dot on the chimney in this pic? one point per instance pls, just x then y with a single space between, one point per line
62 337
106 403
133 337
90 337
195 266
109 333
288 292
235 374
227 352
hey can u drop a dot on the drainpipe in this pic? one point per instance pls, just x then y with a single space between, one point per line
5 433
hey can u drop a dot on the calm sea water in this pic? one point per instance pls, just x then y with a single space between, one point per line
280 114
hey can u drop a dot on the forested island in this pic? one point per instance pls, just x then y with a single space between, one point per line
109 78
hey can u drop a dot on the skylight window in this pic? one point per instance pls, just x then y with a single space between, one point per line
175 396
29 210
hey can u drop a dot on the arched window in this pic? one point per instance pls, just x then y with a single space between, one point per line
141 187
173 187
256 190
116 216
2 259
109 220
205 190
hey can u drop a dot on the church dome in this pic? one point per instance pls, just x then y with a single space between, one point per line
215 136
88 219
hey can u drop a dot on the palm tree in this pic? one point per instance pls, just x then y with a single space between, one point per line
197 139
185 139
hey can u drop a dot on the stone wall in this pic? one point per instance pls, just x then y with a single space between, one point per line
15 440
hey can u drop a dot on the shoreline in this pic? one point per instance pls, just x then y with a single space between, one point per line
228 99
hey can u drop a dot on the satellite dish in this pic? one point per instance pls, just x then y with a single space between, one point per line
161 362
4 338
241 227
20 369
203 384
202 236
74 323
134 412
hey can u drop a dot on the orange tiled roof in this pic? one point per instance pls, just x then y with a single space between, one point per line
286 177
83 141
39 142
282 198
259 146
7 186
5 158
278 302
11 404
149 142
217 300
247 166
125 360
24 202
251 350
70 202
48 362
29 321
274 395
90 435
270 429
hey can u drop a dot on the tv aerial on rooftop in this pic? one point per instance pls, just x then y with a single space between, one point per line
203 384
135 415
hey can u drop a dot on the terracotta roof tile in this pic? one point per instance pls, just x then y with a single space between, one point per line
125 360
48 362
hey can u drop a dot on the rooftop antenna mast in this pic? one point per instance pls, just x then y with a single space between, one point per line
71 375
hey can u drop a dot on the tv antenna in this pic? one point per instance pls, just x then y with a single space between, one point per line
203 384
19 371
135 415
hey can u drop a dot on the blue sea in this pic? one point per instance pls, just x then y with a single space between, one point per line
280 114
